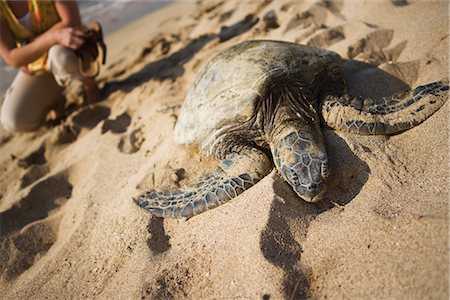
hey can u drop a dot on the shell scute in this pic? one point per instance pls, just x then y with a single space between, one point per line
227 89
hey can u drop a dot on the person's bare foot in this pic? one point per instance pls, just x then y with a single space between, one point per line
91 91
57 110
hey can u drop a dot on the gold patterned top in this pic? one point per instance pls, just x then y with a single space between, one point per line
43 15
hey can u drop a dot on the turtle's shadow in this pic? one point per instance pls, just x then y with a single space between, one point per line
348 173
368 81
159 242
279 245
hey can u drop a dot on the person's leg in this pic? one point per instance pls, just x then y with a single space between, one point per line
64 64
91 91
28 100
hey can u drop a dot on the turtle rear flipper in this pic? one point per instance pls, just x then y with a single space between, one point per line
237 173
394 115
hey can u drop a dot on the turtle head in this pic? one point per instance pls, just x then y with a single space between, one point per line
302 161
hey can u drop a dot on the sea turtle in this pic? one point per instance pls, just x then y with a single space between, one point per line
262 102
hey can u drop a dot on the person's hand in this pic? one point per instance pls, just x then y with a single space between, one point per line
26 70
69 37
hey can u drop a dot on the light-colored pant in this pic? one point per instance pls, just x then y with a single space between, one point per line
30 97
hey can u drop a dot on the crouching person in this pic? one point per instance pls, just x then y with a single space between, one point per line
47 42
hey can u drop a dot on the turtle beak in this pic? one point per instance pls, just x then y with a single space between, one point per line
311 195
308 198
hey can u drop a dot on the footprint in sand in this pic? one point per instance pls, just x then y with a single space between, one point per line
225 16
170 284
158 47
90 116
327 37
6 137
20 251
44 197
301 21
358 40
36 166
64 134
206 8
117 125
317 16
270 21
131 143
315 20
372 42
36 157
29 228
399 2
370 50
228 32
87 117
34 173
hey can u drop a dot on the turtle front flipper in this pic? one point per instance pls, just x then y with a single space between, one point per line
392 115
236 173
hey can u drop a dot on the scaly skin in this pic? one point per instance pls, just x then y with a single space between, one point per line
269 95
236 173
393 115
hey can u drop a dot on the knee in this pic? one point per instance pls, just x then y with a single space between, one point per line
7 123
16 125
14 122
63 57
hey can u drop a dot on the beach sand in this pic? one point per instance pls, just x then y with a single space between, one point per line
69 227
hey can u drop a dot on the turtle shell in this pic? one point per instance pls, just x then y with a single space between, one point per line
227 89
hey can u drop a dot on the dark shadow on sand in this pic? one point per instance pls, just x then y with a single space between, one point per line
36 157
170 67
159 242
368 81
26 231
278 244
42 198
349 174
90 116
117 125
229 32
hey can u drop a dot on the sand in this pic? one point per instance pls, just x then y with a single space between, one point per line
69 227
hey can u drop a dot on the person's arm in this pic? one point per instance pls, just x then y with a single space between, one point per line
66 32
69 13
